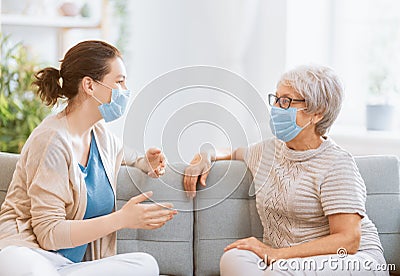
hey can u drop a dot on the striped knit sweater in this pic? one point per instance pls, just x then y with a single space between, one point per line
297 190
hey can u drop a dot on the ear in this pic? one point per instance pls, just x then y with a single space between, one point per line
87 84
316 118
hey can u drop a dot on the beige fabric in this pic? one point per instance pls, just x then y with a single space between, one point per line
48 189
298 190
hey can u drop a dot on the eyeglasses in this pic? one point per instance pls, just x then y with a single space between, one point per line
284 102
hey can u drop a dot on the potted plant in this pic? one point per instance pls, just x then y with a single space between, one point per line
20 110
383 78
383 88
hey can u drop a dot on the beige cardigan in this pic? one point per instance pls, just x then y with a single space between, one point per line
48 190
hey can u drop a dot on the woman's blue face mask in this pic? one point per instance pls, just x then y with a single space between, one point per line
117 106
283 123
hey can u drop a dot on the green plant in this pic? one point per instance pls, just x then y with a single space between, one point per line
383 61
20 110
120 11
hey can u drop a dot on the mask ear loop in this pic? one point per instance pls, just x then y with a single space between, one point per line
97 99
99 82
105 85
306 125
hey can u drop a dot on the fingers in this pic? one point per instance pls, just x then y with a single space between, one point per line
251 244
158 206
142 197
246 247
159 220
186 179
236 244
157 172
156 162
187 182
152 174
192 185
153 226
190 180
162 161
153 151
203 178
230 246
197 171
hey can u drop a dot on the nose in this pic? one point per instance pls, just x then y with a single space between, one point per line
124 87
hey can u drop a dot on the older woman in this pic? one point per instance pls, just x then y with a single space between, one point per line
61 204
310 195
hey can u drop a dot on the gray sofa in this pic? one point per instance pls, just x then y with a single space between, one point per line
192 243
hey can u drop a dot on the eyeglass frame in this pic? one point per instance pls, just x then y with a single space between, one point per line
277 100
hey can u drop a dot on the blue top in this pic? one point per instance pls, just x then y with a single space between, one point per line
100 196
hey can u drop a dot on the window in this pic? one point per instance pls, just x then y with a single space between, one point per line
360 39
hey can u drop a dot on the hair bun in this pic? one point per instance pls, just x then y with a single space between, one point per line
49 86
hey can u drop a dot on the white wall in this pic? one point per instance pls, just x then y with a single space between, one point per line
246 37
256 39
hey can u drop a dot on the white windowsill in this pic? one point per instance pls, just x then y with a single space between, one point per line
359 141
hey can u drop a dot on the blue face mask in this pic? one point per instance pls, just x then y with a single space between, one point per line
117 106
283 123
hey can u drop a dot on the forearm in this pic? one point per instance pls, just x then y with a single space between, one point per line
88 230
322 246
224 154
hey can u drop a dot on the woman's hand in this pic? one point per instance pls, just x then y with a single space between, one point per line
145 216
199 166
155 162
263 251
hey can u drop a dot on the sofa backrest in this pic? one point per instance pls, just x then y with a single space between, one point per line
171 245
382 179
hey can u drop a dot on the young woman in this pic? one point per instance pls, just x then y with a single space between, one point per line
61 203
310 195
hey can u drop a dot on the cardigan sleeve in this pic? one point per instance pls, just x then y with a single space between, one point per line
130 156
48 186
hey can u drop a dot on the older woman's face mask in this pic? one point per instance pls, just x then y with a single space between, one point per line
283 123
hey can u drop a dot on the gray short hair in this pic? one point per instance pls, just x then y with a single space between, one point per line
322 90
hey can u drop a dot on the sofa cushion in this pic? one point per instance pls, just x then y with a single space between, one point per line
224 213
171 245
7 167
382 179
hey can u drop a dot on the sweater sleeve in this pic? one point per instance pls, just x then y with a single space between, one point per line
48 187
253 155
343 190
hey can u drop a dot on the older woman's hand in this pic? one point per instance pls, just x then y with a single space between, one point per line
263 251
199 166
